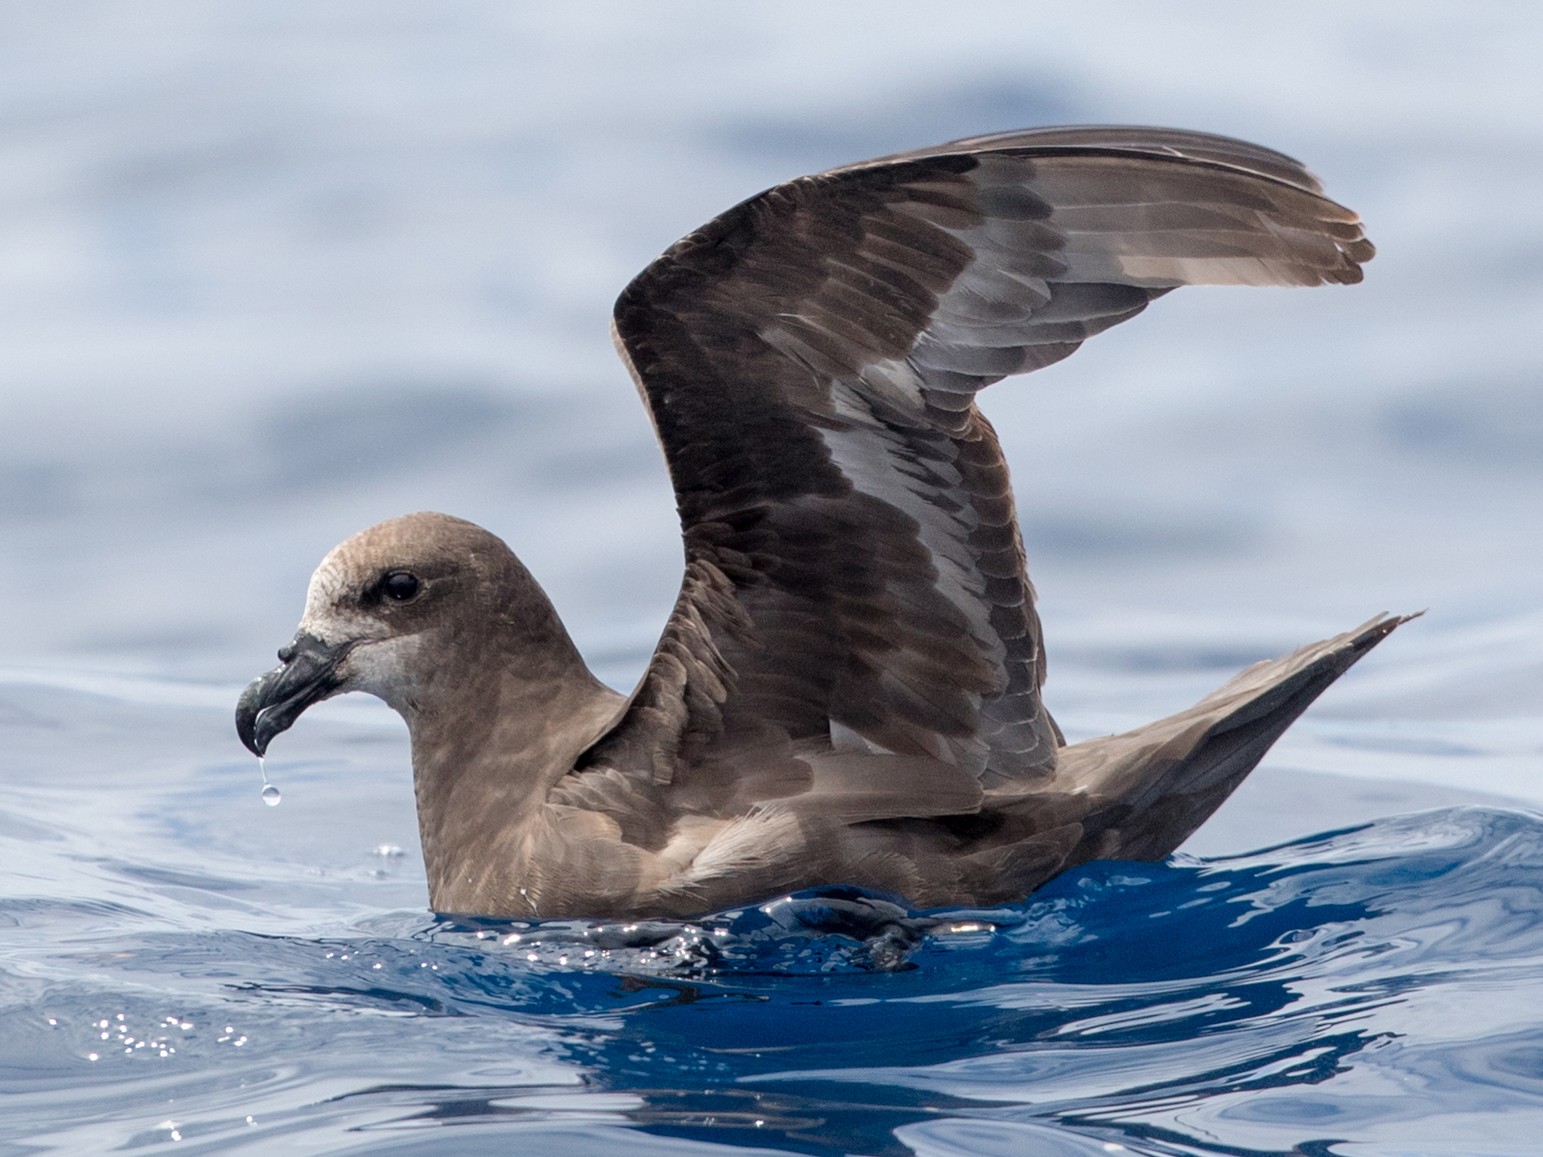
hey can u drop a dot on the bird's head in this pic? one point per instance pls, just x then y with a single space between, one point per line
392 611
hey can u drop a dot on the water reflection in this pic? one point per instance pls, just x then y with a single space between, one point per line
1273 1003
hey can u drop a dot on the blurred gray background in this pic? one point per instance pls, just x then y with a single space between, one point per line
271 271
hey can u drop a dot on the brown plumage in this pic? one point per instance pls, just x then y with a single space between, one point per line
848 690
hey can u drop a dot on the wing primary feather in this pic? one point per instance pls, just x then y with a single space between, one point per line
811 360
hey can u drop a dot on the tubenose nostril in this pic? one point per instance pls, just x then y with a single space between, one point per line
286 653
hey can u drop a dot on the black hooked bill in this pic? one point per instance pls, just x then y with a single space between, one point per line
308 673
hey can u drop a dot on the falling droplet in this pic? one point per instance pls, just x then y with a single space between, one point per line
271 795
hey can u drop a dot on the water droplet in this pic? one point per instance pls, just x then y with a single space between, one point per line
271 795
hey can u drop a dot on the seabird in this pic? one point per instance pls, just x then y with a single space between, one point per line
848 690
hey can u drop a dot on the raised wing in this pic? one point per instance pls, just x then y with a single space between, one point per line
854 575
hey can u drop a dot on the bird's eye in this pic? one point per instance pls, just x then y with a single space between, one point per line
400 586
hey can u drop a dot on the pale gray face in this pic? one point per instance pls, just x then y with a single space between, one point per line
374 606
367 601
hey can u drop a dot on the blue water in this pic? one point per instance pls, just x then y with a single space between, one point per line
272 271
1375 990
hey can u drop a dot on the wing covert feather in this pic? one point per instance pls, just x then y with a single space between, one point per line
810 359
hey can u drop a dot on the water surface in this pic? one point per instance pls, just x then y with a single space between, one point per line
270 273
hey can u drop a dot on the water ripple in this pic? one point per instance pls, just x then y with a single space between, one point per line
1368 991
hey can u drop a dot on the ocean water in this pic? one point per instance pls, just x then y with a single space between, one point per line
185 967
270 272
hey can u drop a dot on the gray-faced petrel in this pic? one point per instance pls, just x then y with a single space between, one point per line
848 689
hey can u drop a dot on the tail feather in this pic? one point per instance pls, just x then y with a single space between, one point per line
1150 788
